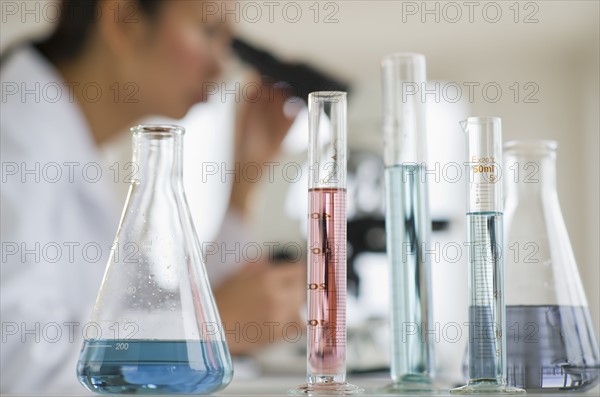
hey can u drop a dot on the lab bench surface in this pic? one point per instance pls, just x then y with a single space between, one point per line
270 385
278 386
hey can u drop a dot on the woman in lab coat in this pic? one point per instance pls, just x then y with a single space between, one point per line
107 65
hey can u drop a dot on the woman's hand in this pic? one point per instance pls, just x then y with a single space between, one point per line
258 301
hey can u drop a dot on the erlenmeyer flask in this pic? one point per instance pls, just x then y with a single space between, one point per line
551 344
155 328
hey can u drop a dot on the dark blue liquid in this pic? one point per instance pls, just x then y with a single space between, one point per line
484 344
551 348
154 367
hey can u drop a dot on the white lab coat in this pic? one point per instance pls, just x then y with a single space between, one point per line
48 280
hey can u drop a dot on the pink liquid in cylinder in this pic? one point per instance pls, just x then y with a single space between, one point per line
327 285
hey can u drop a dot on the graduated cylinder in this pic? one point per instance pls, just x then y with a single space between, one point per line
408 225
327 238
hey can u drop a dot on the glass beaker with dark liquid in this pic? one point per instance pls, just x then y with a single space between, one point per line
551 343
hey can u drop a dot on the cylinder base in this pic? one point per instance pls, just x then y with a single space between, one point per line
326 389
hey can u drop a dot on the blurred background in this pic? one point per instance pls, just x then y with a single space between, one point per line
544 58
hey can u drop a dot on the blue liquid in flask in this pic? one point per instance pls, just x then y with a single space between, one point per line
154 367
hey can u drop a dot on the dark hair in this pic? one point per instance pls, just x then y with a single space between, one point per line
74 28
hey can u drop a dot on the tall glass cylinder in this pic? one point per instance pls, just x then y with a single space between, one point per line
487 327
408 225
326 284
326 278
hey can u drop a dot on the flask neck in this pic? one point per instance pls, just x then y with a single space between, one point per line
531 173
158 160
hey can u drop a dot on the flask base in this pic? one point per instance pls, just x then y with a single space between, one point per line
326 389
486 387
